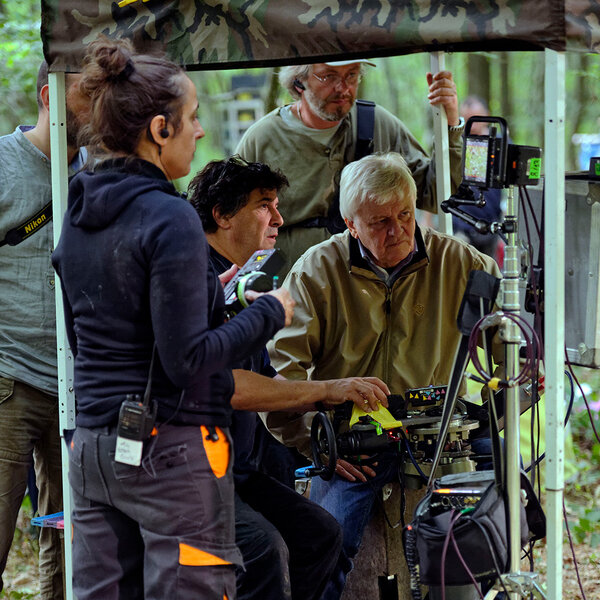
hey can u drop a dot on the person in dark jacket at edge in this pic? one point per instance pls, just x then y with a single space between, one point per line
152 516
289 544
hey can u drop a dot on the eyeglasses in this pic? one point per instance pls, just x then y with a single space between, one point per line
333 79
235 160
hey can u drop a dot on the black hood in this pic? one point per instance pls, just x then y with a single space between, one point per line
97 197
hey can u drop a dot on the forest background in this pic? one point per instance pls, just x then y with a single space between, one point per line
511 83
513 86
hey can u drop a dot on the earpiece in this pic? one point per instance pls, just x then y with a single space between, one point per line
298 84
164 133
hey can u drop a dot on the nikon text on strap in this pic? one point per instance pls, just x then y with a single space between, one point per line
17 234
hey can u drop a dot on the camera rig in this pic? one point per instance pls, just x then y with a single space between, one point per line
410 427
258 274
491 162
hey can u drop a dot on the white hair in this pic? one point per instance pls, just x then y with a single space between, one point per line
379 178
287 76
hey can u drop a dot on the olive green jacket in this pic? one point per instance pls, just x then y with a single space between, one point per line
348 322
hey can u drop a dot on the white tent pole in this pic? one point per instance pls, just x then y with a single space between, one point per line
442 151
554 303
59 164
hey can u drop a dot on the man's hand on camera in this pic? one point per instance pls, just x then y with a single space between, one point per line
352 472
366 392
282 295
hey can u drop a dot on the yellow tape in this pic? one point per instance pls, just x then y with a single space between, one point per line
382 416
494 383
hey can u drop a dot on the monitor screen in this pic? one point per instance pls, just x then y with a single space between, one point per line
476 160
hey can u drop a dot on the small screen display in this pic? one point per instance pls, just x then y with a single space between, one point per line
476 160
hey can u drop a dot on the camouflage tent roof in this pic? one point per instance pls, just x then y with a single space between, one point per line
212 34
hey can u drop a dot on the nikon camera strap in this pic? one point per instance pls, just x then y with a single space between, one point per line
17 234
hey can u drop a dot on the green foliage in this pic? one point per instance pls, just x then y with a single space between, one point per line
587 528
20 576
583 489
20 57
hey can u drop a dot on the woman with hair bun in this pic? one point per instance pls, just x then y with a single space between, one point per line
150 459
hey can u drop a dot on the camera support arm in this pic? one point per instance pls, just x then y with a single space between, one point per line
465 197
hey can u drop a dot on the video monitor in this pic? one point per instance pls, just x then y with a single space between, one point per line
476 161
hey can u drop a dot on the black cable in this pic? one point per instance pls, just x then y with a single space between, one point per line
492 552
453 518
583 596
463 563
412 458
566 421
571 399
587 406
526 204
531 363
147 460
411 556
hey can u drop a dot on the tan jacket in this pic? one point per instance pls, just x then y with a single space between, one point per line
348 322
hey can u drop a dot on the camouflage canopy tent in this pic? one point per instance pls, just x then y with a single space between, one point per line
214 34
220 34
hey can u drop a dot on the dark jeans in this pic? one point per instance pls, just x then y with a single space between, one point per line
29 433
163 530
290 545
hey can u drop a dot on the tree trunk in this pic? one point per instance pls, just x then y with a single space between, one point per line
393 89
582 98
273 92
478 66
505 97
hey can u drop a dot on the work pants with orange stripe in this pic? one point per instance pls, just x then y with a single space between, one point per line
163 530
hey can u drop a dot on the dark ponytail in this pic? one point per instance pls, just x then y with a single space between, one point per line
127 91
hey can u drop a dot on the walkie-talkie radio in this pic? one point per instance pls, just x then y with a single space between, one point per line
136 422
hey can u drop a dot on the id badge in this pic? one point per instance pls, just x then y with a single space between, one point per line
129 452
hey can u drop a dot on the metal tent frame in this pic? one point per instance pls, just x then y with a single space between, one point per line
554 232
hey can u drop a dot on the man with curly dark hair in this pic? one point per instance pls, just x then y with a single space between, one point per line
289 544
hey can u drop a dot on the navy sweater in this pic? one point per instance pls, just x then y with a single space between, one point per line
133 263
247 429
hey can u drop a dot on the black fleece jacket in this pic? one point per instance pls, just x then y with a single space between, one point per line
133 263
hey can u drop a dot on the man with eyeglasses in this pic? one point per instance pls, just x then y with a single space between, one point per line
313 138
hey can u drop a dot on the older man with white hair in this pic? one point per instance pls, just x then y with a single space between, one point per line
380 299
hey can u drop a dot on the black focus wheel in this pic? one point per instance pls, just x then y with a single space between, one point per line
322 443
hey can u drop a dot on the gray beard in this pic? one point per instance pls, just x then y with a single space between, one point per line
317 106
73 130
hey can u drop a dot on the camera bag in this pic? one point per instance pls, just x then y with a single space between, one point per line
455 546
